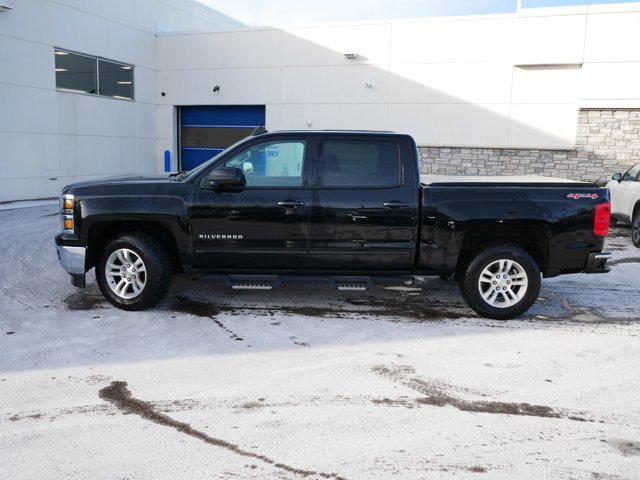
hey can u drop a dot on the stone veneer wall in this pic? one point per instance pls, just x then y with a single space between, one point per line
608 141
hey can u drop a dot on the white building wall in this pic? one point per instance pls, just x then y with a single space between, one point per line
50 138
511 81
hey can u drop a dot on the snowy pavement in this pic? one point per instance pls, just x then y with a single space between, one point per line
309 382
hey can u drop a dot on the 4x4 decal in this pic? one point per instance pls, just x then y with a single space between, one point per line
578 196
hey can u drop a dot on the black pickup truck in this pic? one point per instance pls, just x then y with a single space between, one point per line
346 207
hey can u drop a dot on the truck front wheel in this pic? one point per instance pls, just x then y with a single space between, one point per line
501 282
134 272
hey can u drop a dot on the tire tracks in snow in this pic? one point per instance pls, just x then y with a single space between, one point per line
119 395
436 395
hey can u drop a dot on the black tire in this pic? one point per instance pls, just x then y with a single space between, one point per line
158 271
635 229
469 282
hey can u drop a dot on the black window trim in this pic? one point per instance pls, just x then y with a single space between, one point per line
97 60
317 174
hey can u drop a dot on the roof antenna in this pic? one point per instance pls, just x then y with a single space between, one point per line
258 131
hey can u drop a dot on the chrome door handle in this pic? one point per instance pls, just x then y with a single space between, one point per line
355 217
290 204
394 204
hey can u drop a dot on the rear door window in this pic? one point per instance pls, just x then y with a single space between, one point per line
359 163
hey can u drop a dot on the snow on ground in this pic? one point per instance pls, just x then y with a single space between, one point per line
309 382
27 203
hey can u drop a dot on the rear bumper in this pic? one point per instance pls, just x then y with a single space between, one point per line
596 263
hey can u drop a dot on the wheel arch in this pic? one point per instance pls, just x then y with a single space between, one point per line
531 237
101 233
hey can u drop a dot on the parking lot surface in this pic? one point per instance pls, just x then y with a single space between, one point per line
308 382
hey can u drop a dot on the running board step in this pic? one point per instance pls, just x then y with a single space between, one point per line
252 282
252 286
352 286
355 283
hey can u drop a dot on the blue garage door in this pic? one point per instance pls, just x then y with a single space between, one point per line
207 130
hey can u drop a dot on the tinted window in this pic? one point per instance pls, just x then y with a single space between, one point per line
350 163
76 72
632 173
116 79
271 164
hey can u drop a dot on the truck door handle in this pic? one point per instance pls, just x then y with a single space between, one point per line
290 204
356 217
394 204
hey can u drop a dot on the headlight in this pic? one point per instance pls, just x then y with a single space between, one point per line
66 202
67 222
66 212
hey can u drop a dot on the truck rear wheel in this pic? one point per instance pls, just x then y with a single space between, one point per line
501 282
134 272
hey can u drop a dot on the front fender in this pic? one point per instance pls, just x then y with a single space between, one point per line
105 212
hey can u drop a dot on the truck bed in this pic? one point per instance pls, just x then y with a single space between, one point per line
500 180
551 216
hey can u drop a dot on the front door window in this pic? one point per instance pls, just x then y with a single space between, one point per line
271 164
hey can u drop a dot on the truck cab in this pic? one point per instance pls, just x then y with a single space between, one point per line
344 201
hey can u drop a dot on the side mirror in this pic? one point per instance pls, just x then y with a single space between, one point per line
226 177
617 177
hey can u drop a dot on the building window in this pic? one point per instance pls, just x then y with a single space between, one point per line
77 72
115 79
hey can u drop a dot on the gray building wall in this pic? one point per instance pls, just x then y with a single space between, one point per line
608 141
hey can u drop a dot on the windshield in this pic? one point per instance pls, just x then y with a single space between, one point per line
191 174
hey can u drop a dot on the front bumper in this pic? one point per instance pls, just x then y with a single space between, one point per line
72 259
596 263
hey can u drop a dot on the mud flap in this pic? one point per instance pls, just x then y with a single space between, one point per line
78 280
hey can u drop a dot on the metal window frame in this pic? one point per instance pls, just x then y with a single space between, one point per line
97 60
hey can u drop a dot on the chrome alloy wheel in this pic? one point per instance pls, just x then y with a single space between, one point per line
503 283
126 273
635 230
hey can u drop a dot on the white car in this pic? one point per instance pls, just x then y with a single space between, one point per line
625 199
